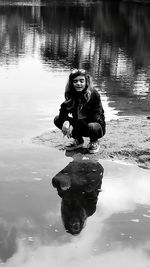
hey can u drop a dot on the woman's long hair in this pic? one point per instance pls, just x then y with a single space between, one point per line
73 213
71 94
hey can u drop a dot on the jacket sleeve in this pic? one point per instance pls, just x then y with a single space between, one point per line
63 112
97 111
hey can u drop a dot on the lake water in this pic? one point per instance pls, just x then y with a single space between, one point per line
40 42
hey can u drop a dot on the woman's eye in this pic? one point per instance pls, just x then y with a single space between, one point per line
81 81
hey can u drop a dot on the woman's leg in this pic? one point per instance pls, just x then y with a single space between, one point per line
92 130
78 130
82 129
95 131
58 122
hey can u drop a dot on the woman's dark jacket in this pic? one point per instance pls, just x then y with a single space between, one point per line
89 111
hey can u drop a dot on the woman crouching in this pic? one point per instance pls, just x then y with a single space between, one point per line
81 114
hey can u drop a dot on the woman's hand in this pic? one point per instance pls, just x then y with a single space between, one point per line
65 127
69 132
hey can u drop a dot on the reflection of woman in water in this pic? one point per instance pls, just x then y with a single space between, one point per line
83 102
78 185
76 207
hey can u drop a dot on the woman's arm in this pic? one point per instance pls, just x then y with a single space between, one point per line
63 112
63 116
96 111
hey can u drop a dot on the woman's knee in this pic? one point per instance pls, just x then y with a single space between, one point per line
94 126
58 122
96 129
91 125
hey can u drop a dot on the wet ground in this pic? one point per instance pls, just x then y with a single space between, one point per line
31 228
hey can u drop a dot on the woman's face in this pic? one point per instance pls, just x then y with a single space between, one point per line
79 83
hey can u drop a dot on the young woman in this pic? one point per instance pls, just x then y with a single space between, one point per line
81 114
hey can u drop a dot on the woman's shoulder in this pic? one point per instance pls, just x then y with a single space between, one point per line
67 105
95 93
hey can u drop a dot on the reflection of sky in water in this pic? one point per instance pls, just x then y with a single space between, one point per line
110 113
117 233
27 94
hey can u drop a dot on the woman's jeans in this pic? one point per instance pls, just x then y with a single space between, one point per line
93 130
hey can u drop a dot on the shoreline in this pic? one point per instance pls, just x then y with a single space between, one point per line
127 139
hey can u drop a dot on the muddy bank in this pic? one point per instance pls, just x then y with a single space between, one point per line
126 139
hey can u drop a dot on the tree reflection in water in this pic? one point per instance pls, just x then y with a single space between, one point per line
78 185
109 39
